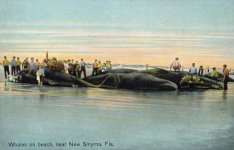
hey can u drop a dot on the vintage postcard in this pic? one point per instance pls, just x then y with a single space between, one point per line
116 74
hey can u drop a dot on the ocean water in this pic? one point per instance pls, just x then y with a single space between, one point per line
59 118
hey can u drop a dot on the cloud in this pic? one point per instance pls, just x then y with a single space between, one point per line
93 33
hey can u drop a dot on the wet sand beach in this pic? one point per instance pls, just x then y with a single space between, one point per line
57 117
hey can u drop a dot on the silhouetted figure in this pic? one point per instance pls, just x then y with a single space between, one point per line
200 71
226 77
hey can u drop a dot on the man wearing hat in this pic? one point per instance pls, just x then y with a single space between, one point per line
5 64
13 66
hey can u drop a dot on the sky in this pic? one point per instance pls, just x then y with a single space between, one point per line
150 32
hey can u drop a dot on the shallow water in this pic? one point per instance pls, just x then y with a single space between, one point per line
127 119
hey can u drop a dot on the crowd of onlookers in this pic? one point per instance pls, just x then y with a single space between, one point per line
194 70
76 68
71 67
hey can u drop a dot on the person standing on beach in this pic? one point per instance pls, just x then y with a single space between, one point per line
45 63
176 64
99 67
38 77
66 67
82 67
69 66
18 64
200 71
42 73
207 69
226 76
193 69
31 64
108 65
5 64
13 66
147 66
77 69
104 68
25 64
37 63
95 67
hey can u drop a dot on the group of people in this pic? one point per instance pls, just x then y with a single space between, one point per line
78 68
73 68
17 65
98 67
193 70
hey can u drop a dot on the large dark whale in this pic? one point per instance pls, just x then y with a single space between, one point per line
131 81
174 76
154 79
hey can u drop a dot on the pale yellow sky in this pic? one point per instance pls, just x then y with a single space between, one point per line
131 59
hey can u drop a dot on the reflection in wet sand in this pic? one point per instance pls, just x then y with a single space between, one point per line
129 119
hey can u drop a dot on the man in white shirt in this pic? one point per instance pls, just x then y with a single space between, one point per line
37 64
176 64
32 64
193 69
82 67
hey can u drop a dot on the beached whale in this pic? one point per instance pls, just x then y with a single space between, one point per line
153 79
131 81
220 77
175 77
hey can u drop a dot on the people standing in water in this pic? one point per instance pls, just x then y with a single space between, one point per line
13 66
200 71
193 69
6 64
95 67
82 67
176 64
226 76
18 64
